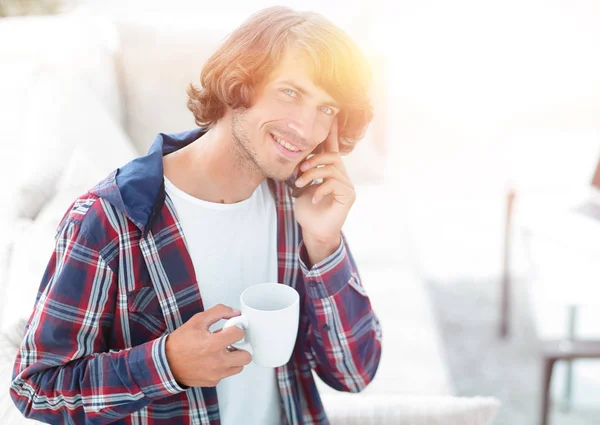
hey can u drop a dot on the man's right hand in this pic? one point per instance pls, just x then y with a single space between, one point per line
199 358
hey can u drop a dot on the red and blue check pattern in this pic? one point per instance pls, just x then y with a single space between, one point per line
120 280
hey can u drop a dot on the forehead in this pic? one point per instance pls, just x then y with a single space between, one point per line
293 64
297 69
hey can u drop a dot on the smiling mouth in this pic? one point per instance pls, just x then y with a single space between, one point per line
284 144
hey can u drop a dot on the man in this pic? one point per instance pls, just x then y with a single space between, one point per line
150 261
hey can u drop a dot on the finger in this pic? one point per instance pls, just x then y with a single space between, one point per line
317 150
229 336
341 193
217 313
326 172
318 161
327 158
239 358
332 143
233 371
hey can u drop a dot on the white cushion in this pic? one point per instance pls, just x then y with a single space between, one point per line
80 43
29 256
390 409
9 229
98 144
44 55
159 62
30 103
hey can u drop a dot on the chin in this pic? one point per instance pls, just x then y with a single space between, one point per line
280 177
281 174
278 171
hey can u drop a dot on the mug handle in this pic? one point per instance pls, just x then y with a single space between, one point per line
242 344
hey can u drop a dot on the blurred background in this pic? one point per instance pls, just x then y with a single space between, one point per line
476 228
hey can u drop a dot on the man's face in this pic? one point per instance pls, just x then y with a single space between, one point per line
289 118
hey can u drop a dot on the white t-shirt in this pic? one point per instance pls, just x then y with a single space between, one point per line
234 246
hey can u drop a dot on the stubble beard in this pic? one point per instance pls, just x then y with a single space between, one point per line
246 158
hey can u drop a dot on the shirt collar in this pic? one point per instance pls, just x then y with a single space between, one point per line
137 189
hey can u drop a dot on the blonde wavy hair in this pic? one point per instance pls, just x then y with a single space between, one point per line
251 52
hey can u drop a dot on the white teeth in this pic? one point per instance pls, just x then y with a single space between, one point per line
285 144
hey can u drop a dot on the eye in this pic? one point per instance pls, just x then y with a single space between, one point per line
327 110
290 92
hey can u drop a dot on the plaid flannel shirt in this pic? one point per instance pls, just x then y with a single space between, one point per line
120 280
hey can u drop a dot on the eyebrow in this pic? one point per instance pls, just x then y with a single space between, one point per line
305 92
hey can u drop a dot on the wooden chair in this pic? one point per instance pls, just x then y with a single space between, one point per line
570 347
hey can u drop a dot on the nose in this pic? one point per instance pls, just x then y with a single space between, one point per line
303 123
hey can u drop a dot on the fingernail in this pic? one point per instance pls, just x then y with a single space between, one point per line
299 182
305 166
314 200
236 311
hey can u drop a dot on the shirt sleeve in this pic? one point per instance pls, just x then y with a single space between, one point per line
344 333
64 367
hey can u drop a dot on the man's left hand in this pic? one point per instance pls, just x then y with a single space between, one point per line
321 209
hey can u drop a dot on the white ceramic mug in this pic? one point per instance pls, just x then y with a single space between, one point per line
270 315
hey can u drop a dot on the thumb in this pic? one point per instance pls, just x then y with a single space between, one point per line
215 314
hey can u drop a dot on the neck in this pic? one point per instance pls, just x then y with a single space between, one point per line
214 168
